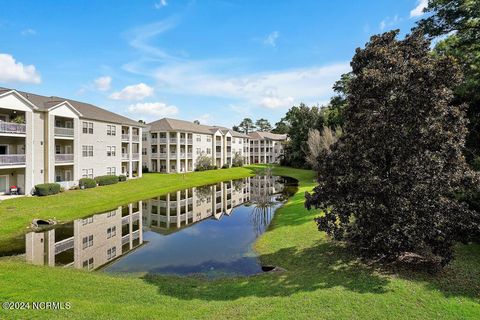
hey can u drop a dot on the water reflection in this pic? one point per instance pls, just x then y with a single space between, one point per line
194 230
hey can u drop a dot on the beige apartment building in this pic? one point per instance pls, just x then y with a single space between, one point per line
172 145
266 147
52 139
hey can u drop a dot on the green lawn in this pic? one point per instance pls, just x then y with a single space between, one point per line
322 281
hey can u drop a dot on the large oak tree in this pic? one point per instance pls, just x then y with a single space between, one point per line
390 184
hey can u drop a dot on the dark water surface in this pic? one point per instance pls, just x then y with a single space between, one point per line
207 230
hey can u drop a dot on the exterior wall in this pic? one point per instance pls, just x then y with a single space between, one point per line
265 151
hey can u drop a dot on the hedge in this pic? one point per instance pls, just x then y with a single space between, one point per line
87 183
122 178
46 189
106 180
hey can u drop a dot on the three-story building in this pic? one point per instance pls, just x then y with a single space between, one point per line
52 139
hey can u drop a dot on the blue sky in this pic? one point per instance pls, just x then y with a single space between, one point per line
216 61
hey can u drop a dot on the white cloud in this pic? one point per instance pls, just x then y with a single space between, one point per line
152 110
204 119
271 39
13 71
418 10
278 89
28 32
134 92
160 4
103 83
389 22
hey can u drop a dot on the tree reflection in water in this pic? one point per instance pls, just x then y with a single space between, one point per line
263 199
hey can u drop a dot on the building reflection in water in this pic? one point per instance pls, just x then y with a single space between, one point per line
95 241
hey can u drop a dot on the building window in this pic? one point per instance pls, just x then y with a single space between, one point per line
111 151
209 151
199 151
87 173
87 151
87 241
87 221
199 138
111 130
87 127
111 214
111 171
111 253
111 232
88 264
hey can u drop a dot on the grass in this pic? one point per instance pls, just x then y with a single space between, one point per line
322 281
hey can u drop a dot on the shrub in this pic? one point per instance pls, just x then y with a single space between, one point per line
106 180
87 183
46 189
203 162
145 169
122 178
225 166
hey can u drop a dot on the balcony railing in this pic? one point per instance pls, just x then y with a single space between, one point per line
229 142
162 140
173 140
125 137
135 137
125 156
10 127
153 141
62 158
12 159
190 141
218 154
183 154
189 155
135 156
64 132
218 143
182 140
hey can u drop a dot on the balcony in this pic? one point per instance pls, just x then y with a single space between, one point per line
125 137
135 156
190 141
183 155
153 141
189 155
125 156
12 159
218 154
64 157
64 132
135 138
173 140
12 128
218 143
229 142
162 140
182 140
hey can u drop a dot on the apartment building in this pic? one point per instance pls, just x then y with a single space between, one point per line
53 139
172 145
88 243
266 147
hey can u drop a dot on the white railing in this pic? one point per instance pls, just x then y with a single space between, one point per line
182 140
162 140
135 156
125 137
218 205
125 239
135 137
12 159
125 156
190 141
125 219
64 132
135 216
153 141
66 157
10 127
136 234
189 155
64 245
183 154
218 143
229 143
173 155
173 140
218 154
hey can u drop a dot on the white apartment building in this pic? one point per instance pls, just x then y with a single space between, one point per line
172 145
266 147
52 139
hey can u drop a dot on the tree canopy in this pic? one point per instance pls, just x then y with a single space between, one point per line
390 184
263 125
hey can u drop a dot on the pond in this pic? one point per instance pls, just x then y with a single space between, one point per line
206 230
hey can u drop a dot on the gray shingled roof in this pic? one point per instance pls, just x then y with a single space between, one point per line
257 135
168 124
88 111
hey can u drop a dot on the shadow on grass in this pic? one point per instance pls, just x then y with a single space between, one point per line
320 267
